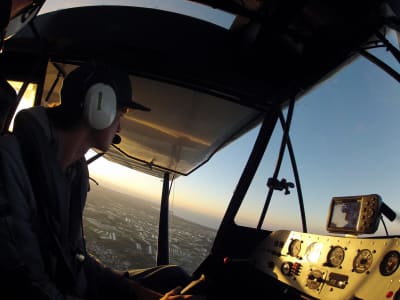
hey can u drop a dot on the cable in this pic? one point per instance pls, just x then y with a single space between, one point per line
384 225
94 180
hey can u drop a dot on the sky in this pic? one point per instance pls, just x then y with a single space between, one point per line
345 134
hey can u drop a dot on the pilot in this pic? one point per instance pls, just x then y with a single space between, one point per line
43 188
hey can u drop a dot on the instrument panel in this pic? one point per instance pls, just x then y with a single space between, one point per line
332 267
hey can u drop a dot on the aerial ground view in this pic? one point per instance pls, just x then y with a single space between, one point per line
122 232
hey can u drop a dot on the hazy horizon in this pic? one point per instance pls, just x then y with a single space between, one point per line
184 213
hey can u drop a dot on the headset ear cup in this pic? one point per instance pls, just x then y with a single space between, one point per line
100 106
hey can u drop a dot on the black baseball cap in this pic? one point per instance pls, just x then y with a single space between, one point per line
78 81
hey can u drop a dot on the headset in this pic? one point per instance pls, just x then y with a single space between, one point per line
100 105
97 96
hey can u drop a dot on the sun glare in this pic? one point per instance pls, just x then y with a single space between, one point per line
123 179
27 100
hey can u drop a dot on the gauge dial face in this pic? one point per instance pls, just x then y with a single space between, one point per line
286 268
362 261
335 256
295 247
313 252
314 279
390 263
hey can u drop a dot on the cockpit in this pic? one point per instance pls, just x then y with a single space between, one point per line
340 264
245 94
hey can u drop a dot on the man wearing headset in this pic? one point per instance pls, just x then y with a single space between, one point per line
44 183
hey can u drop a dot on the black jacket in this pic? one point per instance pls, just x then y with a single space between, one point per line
43 250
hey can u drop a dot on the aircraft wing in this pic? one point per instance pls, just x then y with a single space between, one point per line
168 138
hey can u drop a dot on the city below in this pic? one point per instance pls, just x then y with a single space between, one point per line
122 231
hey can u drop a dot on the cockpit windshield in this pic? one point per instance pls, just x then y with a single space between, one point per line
345 137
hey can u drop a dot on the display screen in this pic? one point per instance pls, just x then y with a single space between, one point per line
345 214
355 214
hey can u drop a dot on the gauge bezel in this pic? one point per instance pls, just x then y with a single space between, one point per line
332 256
295 247
315 279
358 265
286 268
384 263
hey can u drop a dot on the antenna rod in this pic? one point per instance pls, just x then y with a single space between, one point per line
388 212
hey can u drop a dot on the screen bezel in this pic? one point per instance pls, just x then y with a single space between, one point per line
357 205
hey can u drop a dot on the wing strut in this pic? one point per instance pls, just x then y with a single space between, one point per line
274 178
163 229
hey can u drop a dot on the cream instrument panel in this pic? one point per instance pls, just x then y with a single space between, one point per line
332 267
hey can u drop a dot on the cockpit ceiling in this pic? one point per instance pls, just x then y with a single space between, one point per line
184 128
182 131
184 68
268 54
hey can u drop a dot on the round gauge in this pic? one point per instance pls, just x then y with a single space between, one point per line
314 279
335 256
362 261
295 247
390 263
286 268
313 252
397 295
